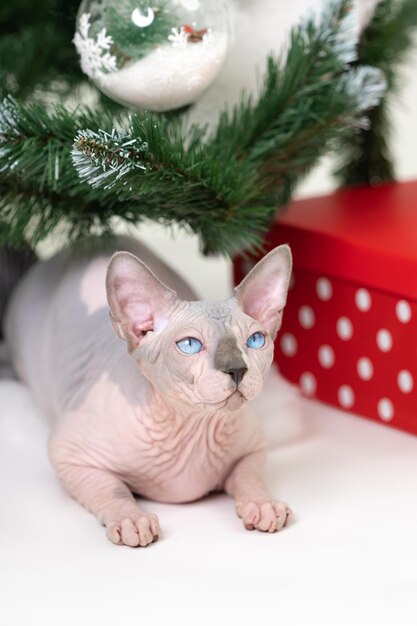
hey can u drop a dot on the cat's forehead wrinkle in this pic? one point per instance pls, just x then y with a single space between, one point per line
220 311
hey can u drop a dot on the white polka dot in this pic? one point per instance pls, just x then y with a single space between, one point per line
405 381
346 396
308 383
344 328
384 340
403 311
363 300
292 282
324 289
326 356
306 317
289 344
365 368
385 409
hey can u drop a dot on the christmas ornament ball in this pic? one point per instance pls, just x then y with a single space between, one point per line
158 55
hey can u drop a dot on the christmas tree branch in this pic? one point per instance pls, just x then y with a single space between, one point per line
366 156
318 48
353 93
299 114
38 184
224 188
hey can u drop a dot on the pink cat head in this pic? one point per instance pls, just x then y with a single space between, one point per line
210 355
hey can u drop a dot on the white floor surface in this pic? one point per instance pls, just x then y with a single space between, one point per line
348 558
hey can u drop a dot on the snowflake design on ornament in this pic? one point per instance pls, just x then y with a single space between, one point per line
178 37
95 61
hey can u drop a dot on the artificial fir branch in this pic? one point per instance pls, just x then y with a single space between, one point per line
318 49
365 153
38 178
252 143
225 187
39 188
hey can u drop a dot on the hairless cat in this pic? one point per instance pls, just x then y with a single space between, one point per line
167 419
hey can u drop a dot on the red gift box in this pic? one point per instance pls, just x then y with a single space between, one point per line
349 332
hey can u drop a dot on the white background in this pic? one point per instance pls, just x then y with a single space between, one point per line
350 557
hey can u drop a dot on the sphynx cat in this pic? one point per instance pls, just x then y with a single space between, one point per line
166 419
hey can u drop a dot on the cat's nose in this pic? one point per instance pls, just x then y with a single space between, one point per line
237 373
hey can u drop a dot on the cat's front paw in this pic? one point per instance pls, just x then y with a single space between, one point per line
263 514
135 530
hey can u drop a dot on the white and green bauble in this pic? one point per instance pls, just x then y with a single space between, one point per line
158 55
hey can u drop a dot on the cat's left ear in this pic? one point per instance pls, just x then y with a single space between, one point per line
262 294
138 301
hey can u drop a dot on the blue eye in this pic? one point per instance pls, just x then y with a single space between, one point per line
256 341
190 345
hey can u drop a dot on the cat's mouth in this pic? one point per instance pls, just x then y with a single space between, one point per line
234 400
238 393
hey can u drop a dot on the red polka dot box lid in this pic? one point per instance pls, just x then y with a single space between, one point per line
366 235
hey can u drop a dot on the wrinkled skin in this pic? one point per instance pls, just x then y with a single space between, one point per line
150 420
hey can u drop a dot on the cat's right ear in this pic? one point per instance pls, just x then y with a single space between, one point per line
262 294
137 299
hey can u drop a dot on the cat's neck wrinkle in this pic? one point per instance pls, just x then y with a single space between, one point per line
219 436
178 419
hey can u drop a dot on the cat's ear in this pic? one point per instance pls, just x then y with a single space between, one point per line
262 294
138 301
